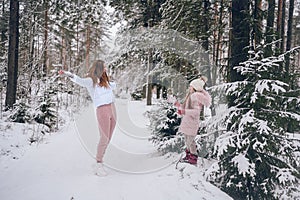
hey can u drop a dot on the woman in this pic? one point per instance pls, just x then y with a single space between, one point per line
191 108
101 91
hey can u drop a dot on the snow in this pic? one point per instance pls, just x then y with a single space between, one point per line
285 175
243 165
276 86
59 166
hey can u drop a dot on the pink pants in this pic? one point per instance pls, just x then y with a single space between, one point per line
106 116
190 143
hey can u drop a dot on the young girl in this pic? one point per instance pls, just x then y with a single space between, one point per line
101 91
191 108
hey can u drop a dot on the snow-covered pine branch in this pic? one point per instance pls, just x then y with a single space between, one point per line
256 148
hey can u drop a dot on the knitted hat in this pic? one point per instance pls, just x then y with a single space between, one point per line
197 84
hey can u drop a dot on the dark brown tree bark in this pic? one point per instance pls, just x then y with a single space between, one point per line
289 39
269 28
218 50
282 34
88 46
240 40
257 24
279 22
3 27
149 78
12 73
45 59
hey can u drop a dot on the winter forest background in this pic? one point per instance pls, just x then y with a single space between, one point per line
248 49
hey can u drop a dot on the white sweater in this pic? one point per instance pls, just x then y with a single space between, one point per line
99 95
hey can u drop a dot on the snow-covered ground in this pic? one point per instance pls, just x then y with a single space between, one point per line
60 165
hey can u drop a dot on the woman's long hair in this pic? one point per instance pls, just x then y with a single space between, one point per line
98 75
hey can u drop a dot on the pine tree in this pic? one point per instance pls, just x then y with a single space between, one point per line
164 124
45 112
21 113
191 19
257 157
139 13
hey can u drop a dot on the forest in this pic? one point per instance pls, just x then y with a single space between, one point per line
248 50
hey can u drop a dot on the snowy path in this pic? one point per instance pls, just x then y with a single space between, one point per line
62 168
129 151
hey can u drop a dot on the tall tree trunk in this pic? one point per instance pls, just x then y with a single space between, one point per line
2 50
239 37
149 78
205 46
282 31
269 28
77 45
279 23
88 44
239 41
218 43
205 38
3 28
31 41
11 89
217 51
257 26
64 52
62 49
31 54
289 40
45 38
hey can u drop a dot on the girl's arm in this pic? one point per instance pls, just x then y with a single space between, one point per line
205 98
196 106
113 85
193 112
84 82
66 73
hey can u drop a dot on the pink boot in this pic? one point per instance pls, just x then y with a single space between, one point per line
193 159
187 156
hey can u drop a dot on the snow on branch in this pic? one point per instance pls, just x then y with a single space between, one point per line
270 85
145 39
222 143
284 114
285 175
246 119
243 165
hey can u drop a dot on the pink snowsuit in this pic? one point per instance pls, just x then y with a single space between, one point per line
190 121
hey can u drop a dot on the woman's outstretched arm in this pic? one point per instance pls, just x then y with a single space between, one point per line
84 82
66 73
